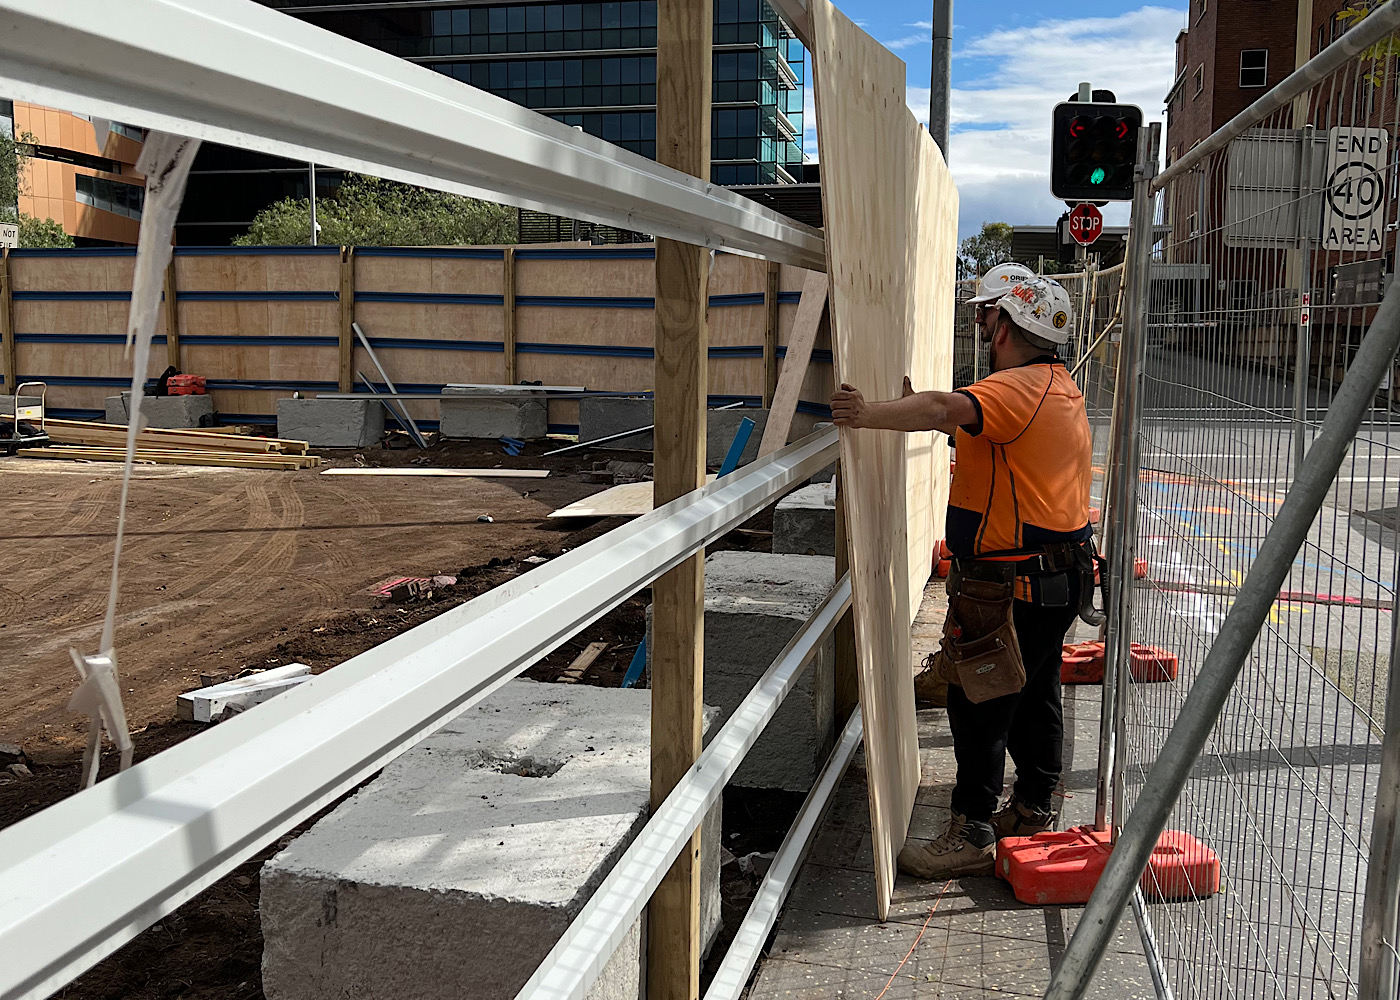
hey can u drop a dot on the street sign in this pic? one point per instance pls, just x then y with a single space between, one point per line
1085 223
1353 210
1305 314
9 234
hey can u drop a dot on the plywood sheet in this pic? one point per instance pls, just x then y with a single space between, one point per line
886 198
626 500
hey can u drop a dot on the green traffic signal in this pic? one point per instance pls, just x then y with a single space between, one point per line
1098 176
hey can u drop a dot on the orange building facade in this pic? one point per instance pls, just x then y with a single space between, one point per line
81 172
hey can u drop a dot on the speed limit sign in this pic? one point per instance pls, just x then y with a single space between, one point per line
1353 215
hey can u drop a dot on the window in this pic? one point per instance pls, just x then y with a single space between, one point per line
1191 224
1254 68
1200 80
111 196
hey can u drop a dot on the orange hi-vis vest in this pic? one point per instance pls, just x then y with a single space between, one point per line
1023 469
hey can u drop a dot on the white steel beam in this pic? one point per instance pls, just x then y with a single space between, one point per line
235 72
578 958
89 873
747 946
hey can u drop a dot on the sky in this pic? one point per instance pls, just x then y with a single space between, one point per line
1012 62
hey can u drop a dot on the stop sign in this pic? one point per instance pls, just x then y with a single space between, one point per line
1085 223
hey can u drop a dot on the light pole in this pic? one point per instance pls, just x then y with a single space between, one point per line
941 79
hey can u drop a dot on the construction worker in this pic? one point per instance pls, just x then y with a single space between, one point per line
1023 561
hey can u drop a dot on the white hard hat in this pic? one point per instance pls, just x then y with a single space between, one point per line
1041 307
998 281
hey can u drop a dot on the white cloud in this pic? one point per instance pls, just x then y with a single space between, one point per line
908 41
1000 147
922 25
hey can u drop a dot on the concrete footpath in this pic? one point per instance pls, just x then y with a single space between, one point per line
977 939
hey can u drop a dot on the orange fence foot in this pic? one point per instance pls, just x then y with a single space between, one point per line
1063 868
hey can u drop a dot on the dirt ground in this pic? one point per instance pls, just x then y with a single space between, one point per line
225 570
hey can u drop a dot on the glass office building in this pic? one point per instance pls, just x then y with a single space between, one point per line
593 65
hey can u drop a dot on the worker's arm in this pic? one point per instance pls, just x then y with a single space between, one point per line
915 411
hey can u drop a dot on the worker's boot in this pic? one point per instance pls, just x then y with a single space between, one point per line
931 684
968 848
1016 819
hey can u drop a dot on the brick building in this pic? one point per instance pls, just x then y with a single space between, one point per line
1215 280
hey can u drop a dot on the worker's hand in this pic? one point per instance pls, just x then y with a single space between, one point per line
848 407
908 386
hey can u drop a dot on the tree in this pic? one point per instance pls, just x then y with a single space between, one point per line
42 233
13 161
368 211
992 246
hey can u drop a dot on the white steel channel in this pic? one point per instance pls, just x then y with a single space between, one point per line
762 917
235 72
84 876
578 958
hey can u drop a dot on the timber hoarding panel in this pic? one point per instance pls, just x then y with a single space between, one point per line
262 322
885 198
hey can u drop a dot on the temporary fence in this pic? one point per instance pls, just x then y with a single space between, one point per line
1251 708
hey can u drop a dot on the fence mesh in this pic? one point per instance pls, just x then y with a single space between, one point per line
1291 227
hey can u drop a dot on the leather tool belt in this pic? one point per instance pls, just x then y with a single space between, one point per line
980 651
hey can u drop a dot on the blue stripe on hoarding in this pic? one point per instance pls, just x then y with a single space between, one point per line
305 250
78 338
390 343
91 380
74 252
223 340
83 296
432 298
586 350
229 296
591 253
442 253
586 302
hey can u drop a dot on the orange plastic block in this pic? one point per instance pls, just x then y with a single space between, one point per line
1150 665
942 568
1139 569
1082 663
1063 868
1094 515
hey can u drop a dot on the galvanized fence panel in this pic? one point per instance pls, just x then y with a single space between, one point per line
1270 259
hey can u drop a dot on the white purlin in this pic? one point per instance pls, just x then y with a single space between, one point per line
235 72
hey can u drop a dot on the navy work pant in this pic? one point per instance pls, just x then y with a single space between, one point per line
1029 725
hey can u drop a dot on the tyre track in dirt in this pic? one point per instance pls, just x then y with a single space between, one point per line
221 567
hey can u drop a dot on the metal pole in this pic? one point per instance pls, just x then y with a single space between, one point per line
1304 255
1380 964
1226 658
1121 496
941 77
401 410
311 173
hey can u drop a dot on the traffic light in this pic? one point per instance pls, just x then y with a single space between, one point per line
1093 151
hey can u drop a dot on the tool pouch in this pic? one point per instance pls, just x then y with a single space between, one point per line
980 651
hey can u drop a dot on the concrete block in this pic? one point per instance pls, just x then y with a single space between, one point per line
453 873
7 404
164 411
494 413
754 604
331 423
602 416
805 521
